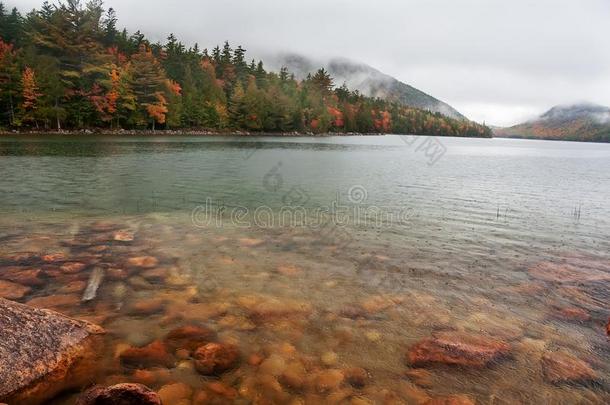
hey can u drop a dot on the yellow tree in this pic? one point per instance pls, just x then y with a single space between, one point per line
30 95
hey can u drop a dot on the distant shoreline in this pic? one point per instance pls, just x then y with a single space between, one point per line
535 138
204 133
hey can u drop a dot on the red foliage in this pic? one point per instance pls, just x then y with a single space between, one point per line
30 89
338 120
174 87
382 120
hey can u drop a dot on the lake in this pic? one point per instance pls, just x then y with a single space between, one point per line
360 269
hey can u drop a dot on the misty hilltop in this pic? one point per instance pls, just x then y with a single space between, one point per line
364 78
578 122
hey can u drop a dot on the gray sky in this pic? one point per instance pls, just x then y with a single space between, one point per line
494 60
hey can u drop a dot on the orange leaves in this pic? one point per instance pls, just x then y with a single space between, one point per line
382 120
158 110
29 89
337 117
173 87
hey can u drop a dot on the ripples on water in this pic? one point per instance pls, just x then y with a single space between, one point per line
504 239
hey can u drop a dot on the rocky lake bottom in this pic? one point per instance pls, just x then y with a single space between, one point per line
285 316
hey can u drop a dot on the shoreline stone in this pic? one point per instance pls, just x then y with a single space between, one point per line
43 353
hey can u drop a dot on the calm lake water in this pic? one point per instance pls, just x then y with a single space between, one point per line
321 255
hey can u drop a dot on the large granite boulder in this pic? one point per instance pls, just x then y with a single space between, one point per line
43 353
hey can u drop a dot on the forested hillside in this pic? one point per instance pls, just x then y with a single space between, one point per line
68 66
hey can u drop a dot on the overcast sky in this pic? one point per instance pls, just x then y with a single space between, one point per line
497 61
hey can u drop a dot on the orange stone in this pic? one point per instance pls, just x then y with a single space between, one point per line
451 400
572 314
561 367
22 275
154 354
73 267
216 358
55 301
188 337
149 306
146 262
54 257
455 348
13 291
289 270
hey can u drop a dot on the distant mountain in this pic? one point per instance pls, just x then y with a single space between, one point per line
364 78
579 122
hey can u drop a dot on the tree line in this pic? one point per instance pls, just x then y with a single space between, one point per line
68 66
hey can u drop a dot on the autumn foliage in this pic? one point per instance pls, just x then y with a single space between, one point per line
68 66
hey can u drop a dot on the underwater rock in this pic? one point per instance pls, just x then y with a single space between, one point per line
72 267
451 400
420 376
455 348
58 301
353 312
24 258
608 327
571 314
120 394
147 307
123 236
566 273
329 358
188 337
43 353
73 287
263 308
561 367
172 394
216 358
22 275
55 258
157 274
379 303
223 390
145 262
154 354
13 291
289 270
356 376
251 242
145 377
327 380
140 283
294 375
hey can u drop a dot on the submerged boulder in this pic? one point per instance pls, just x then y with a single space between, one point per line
120 394
43 353
562 367
455 348
13 291
216 358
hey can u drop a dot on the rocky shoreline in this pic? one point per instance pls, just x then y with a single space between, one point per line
177 132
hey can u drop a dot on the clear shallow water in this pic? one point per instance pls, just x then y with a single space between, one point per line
456 249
